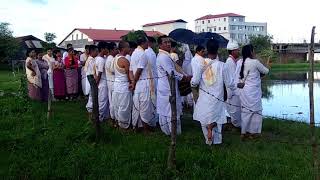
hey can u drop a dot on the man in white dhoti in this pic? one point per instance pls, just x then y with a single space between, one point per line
152 57
122 93
166 66
144 109
101 80
250 94
109 67
50 60
211 75
90 68
234 106
84 81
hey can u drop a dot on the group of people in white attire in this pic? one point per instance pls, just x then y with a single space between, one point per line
242 80
134 89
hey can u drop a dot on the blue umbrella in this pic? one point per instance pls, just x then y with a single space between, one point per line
183 35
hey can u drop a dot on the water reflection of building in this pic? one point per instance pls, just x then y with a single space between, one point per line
316 75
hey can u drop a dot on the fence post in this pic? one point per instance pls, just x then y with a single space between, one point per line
95 106
172 100
311 102
49 106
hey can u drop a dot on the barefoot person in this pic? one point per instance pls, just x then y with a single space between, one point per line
211 75
250 95
101 80
122 94
234 110
166 66
144 112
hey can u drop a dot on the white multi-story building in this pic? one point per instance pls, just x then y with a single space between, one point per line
231 26
165 27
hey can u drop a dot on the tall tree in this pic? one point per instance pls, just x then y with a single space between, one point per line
263 47
8 44
133 35
49 37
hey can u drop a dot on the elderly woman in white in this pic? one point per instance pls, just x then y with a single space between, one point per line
210 74
250 74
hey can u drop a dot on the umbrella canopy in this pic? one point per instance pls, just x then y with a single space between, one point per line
202 38
183 35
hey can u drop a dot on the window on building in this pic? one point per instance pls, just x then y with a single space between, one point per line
72 37
29 44
37 44
219 28
240 28
208 21
81 35
233 36
262 28
202 30
202 22
210 29
240 19
77 37
224 19
225 28
232 27
240 36
215 29
234 19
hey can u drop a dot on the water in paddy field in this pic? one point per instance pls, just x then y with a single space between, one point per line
286 95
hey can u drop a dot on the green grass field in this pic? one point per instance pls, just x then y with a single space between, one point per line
64 147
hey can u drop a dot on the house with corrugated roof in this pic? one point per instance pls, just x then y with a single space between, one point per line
80 37
165 27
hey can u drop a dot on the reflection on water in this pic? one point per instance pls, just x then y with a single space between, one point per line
286 95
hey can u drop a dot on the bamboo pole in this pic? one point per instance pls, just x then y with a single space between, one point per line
311 101
172 100
95 106
49 106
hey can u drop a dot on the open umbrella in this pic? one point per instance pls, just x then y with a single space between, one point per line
202 38
183 35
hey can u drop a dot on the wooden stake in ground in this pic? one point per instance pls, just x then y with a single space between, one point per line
49 105
95 106
172 100
311 101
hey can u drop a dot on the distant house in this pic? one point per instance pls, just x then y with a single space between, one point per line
26 43
81 37
165 27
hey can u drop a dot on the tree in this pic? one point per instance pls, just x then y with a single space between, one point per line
263 47
133 35
49 37
8 44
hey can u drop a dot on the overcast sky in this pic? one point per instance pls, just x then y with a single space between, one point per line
288 21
